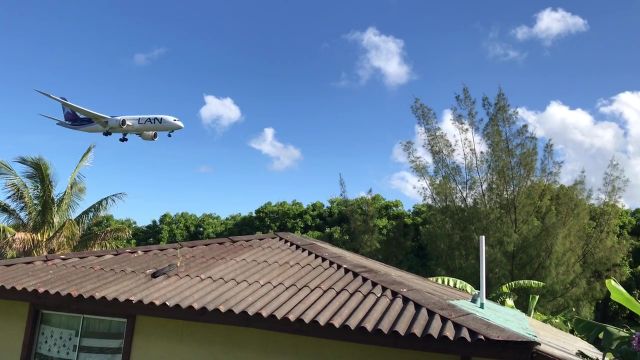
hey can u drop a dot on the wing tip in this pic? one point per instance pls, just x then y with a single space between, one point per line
42 92
51 117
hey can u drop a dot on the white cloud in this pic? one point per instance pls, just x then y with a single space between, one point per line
384 54
343 82
572 127
219 113
400 156
502 51
146 58
408 184
585 142
204 169
282 156
552 24
626 106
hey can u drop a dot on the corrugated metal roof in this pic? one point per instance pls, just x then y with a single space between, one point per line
279 276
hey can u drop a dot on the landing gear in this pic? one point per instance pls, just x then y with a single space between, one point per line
107 133
123 138
169 134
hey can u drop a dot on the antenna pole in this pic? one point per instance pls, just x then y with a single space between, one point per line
483 285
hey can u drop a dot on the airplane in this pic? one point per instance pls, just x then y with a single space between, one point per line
145 126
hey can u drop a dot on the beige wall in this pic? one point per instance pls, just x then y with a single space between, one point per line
13 319
159 339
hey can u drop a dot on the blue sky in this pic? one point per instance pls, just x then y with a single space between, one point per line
299 92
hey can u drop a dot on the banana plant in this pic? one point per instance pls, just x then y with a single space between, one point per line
504 294
609 339
621 296
620 343
454 283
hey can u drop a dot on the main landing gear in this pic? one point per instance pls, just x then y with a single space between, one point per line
123 138
107 133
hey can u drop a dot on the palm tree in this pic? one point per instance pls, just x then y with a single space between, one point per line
35 220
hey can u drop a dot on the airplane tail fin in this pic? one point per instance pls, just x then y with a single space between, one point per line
69 115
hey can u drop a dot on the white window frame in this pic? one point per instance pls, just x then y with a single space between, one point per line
82 316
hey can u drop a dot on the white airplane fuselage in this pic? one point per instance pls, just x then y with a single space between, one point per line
128 124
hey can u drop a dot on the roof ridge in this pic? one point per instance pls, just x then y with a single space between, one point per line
142 248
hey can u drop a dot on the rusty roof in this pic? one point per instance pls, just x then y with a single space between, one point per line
278 276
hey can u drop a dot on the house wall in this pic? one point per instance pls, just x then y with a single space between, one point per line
156 338
159 339
13 319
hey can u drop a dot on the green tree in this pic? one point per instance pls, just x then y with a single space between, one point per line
282 216
38 220
106 225
490 177
209 226
177 228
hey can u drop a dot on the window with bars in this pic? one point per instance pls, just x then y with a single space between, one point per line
63 336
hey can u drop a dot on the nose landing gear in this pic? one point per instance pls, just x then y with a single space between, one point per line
169 134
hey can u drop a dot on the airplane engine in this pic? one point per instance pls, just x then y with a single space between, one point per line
123 123
149 135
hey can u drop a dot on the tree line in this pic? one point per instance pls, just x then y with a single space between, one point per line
410 239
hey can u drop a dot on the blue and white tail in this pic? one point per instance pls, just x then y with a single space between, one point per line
69 115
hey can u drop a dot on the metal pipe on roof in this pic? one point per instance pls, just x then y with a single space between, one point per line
483 285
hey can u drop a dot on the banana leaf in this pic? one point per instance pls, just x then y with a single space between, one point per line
454 283
533 301
520 285
621 296
605 337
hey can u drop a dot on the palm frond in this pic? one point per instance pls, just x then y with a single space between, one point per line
40 178
64 239
6 231
21 244
85 218
68 201
10 215
454 283
106 239
17 190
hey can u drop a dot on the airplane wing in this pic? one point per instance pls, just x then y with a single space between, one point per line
100 119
